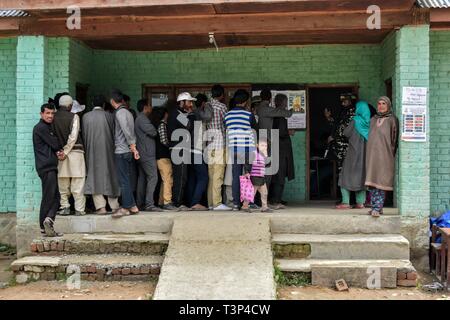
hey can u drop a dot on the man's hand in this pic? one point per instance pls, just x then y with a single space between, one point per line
135 152
61 156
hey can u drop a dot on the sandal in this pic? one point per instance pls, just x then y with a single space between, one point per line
101 212
343 206
122 212
132 212
375 214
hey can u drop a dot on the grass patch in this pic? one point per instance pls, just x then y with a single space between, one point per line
7 249
296 279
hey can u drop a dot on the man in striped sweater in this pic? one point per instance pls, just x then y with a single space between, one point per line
239 123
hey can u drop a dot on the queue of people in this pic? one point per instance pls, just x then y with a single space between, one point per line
195 150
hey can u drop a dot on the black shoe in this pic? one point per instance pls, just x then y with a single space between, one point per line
236 207
49 230
152 209
284 203
170 207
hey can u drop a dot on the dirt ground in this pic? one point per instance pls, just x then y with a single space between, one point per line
316 293
58 290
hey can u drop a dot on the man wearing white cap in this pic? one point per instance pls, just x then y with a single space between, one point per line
72 169
180 118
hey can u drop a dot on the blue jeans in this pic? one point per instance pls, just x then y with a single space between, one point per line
124 162
197 183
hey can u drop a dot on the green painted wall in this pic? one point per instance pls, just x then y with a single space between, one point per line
440 120
305 65
412 70
8 124
80 65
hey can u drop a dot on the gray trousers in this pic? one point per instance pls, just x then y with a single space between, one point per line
147 180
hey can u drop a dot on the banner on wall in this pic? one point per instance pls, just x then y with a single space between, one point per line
296 102
414 114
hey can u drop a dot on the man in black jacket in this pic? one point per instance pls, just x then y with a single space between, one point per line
47 151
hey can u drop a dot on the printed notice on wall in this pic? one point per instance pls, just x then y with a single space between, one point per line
296 102
414 114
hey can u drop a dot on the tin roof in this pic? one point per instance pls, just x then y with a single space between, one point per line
13 13
434 3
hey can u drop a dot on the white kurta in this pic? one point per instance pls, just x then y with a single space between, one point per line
74 165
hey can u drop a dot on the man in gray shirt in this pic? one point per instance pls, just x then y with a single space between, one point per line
145 144
125 153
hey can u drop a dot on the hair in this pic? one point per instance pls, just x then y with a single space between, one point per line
266 95
99 101
241 96
49 106
126 98
141 104
117 96
200 99
108 107
157 115
373 111
217 90
170 105
280 99
231 104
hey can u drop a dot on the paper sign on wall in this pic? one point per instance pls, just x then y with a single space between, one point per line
414 114
297 102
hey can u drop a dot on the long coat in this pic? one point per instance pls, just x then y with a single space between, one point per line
98 137
286 155
380 153
353 173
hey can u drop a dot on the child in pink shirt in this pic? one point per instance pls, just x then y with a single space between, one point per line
256 171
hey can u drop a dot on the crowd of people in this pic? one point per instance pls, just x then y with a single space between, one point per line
364 143
198 151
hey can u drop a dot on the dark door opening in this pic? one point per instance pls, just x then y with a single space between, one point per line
323 174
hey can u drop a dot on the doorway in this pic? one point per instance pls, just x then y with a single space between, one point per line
322 168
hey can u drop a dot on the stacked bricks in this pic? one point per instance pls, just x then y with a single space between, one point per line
88 272
407 278
65 246
439 120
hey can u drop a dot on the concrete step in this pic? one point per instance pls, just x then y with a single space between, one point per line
344 246
293 220
225 258
108 267
370 274
144 244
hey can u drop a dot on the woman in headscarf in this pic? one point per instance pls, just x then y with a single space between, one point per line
352 176
380 158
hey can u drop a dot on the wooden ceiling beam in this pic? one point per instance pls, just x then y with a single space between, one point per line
245 23
230 6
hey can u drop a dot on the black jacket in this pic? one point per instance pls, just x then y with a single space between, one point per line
45 144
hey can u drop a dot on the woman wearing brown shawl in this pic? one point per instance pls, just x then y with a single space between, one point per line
380 154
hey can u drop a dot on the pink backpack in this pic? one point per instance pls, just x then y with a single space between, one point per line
247 190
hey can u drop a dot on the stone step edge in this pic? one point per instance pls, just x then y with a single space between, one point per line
407 275
299 238
54 268
61 245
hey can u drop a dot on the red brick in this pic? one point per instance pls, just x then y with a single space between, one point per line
126 270
116 271
34 247
145 270
412 276
60 245
83 269
53 246
91 269
40 247
407 283
155 270
101 271
135 270
401 275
